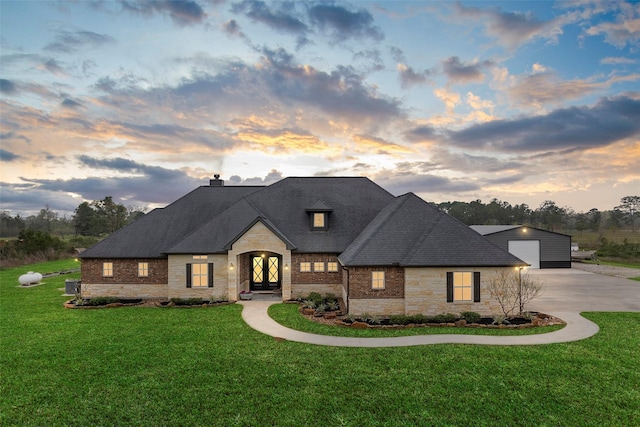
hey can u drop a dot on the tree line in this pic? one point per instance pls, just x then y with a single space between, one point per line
548 215
94 219
48 236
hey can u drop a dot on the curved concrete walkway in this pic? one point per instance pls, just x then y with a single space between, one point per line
255 315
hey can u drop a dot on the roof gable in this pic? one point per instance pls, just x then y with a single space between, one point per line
154 233
410 232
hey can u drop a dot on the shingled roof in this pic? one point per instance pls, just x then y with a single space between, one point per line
153 234
367 225
409 232
209 219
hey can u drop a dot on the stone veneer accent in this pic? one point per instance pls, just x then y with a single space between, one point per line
426 291
177 287
125 282
257 239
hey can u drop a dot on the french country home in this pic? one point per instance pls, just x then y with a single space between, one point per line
342 235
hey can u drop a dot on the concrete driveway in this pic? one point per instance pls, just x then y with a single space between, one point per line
577 290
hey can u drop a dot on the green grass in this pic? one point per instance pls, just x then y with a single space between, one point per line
205 366
628 264
289 316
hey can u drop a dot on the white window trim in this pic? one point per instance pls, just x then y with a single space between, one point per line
318 270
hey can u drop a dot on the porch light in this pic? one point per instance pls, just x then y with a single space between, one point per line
286 267
231 267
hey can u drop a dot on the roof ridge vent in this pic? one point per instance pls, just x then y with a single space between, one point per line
216 182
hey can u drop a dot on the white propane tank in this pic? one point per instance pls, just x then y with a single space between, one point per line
30 278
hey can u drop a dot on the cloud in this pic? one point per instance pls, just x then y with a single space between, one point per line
618 60
282 140
182 12
372 58
341 23
284 20
71 41
7 156
543 86
273 176
373 145
459 72
341 93
8 87
626 29
401 181
232 29
576 128
148 185
512 29
53 67
70 103
422 133
409 77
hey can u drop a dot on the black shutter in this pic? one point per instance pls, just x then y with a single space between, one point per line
476 286
188 275
449 286
210 275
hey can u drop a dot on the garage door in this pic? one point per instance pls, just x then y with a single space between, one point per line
526 250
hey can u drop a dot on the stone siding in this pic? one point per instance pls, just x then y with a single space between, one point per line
377 306
177 287
257 239
426 292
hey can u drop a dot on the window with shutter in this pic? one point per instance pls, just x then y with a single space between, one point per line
463 286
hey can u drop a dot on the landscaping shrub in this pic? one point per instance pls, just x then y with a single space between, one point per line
187 301
445 318
101 301
470 316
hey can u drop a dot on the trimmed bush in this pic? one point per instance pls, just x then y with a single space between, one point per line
187 301
445 318
470 316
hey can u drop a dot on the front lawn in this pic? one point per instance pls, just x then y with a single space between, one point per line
205 366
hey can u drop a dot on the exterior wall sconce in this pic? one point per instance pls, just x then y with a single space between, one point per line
231 267
524 229
286 267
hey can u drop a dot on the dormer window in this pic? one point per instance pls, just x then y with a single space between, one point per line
320 220
319 216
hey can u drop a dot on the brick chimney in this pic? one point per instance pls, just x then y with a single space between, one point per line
216 182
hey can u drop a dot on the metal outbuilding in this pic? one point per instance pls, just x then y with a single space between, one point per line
537 247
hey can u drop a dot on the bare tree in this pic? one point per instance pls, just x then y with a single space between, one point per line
513 290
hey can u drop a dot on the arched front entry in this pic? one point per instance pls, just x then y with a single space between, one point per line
265 271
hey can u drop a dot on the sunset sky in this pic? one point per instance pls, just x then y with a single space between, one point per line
144 101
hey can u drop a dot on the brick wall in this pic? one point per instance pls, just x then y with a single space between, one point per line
323 282
125 282
360 283
125 271
325 277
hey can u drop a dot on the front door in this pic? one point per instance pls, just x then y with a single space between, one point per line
265 272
